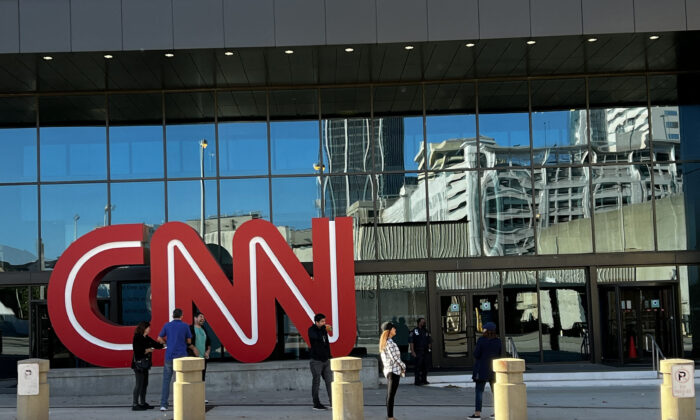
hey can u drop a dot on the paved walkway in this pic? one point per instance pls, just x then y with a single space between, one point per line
434 403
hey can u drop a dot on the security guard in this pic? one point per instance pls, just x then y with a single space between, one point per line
421 346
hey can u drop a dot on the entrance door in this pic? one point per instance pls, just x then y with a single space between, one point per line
462 319
631 315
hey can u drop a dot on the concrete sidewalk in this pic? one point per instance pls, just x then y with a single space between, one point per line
433 402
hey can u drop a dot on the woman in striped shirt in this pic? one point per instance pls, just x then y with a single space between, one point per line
394 368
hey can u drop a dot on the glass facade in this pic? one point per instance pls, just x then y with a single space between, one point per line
474 171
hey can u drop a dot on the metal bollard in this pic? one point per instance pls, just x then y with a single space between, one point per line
32 389
509 394
678 389
188 389
348 403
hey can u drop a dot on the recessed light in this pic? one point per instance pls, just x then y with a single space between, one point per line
531 42
47 58
592 39
289 51
108 56
408 47
228 53
470 45
654 37
169 55
349 49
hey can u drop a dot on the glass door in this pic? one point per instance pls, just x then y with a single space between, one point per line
462 320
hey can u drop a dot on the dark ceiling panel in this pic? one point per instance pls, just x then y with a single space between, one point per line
501 57
450 98
398 100
448 60
189 69
392 62
345 103
72 72
612 91
242 105
18 112
299 68
135 109
17 72
136 70
339 66
558 94
503 97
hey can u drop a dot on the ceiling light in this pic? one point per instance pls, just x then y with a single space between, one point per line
349 49
408 47
289 51
470 44
47 58
169 55
108 56
531 42
592 39
228 53
654 37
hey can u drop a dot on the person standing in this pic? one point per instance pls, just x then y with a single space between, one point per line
488 347
320 359
201 341
176 334
141 363
421 345
394 368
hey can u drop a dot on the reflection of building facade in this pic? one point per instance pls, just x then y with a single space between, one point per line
555 188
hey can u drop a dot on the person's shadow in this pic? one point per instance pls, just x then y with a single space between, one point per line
401 338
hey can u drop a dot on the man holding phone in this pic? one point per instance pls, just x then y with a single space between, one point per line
320 359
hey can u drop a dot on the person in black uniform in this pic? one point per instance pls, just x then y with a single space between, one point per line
421 345
143 347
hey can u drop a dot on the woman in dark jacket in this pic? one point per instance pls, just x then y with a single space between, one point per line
143 346
487 348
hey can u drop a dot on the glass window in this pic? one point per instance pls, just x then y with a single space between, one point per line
184 205
521 309
368 322
17 139
135 303
73 138
294 204
563 210
351 196
622 203
559 122
136 136
468 280
563 309
138 202
242 200
402 231
665 121
454 200
688 277
14 330
18 228
190 121
67 213
450 126
242 133
504 124
346 130
294 132
398 128
403 301
507 212
671 189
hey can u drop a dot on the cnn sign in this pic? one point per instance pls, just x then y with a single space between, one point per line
183 272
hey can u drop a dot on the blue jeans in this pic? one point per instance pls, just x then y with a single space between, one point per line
480 387
167 377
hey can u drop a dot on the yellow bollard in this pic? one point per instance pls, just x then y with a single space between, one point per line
346 388
681 406
32 389
188 389
509 394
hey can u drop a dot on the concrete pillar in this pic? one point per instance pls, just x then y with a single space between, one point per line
509 395
188 389
36 405
348 400
675 408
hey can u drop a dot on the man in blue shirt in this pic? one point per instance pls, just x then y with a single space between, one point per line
178 338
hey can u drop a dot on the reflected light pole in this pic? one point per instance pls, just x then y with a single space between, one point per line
320 167
75 226
202 145
107 209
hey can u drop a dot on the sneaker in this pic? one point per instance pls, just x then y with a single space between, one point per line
206 401
474 416
320 407
163 408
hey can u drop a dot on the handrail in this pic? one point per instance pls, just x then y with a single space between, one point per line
656 353
510 348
